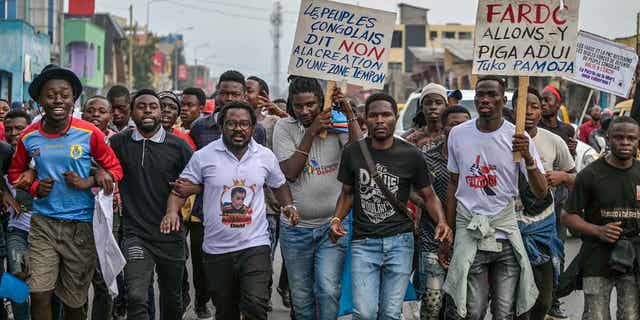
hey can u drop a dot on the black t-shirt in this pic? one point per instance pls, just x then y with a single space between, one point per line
564 130
605 194
401 167
148 169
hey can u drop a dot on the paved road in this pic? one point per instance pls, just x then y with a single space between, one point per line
573 303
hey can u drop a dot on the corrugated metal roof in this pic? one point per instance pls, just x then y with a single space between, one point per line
462 49
423 54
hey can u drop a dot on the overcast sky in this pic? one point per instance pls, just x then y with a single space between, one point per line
237 34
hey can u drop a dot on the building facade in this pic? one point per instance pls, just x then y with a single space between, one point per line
46 16
84 44
29 51
113 53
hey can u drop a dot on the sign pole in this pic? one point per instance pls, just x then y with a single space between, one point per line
584 111
521 109
328 103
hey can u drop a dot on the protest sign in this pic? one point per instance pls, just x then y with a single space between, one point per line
525 37
341 42
604 65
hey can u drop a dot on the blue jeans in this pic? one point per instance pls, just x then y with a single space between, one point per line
428 281
314 266
17 244
380 275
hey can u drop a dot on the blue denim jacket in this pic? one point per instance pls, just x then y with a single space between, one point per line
543 233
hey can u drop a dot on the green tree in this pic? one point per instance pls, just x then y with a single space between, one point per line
143 62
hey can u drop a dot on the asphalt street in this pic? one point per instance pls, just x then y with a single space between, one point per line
572 304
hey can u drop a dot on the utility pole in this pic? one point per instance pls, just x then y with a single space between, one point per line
276 23
638 34
175 68
132 32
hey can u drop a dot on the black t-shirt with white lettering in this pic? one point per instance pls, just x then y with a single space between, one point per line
605 194
401 167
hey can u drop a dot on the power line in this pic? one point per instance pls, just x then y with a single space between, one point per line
224 13
241 6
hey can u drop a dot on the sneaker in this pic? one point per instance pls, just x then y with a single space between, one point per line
203 313
556 311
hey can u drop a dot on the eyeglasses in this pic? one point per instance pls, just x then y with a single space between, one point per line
232 124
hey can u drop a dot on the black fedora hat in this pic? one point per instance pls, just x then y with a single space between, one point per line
51 72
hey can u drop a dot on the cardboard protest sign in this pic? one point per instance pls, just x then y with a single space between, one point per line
336 41
525 37
604 65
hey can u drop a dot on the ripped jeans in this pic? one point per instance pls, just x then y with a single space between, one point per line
138 274
597 297
17 244
428 281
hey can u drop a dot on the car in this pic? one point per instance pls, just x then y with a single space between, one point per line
405 119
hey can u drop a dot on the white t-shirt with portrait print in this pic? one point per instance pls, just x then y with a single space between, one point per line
234 211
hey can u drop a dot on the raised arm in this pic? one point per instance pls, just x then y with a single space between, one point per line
283 143
537 180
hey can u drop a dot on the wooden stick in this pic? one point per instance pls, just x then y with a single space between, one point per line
521 110
328 103
584 111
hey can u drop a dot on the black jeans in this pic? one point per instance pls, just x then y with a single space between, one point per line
138 276
239 282
543 274
199 277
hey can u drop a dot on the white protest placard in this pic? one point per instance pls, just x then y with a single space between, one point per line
604 65
525 37
341 42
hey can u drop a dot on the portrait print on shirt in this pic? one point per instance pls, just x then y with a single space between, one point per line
236 202
374 204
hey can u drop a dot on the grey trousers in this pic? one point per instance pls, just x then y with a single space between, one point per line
597 297
495 275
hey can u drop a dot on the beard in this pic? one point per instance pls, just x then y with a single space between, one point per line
148 128
233 145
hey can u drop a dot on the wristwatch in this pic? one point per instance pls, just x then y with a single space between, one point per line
533 166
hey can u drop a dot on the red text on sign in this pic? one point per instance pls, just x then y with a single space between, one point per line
538 13
361 49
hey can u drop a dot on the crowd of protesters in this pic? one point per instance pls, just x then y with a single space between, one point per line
444 206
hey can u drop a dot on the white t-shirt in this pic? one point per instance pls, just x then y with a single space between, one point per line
234 204
554 152
488 179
